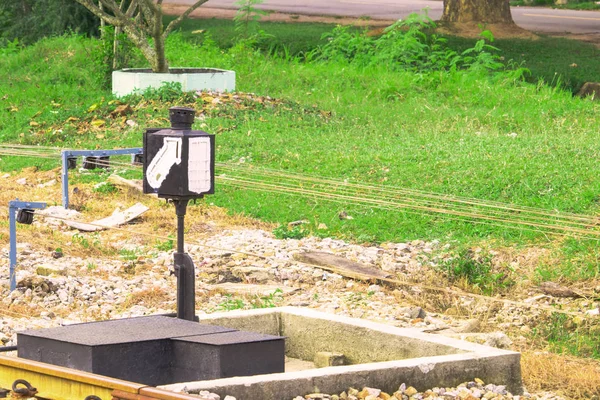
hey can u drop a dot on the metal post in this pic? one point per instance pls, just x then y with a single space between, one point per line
12 223
66 154
13 207
184 269
65 179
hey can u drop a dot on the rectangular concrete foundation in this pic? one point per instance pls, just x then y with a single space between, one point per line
381 356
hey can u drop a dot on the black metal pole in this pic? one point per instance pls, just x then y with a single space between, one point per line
184 269
180 209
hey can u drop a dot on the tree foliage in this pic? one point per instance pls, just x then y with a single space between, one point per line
30 20
142 22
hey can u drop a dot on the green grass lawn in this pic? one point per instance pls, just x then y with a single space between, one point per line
457 133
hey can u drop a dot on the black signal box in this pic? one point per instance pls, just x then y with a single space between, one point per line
179 163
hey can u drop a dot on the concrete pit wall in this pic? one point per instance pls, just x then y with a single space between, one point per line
382 356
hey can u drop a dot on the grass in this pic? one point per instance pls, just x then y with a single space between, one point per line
455 133
571 5
284 35
557 61
547 371
569 335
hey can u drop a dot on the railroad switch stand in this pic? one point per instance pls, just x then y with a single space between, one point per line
179 166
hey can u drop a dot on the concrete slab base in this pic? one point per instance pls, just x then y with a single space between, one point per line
379 355
154 350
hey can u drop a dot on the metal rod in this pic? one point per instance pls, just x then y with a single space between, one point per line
66 154
184 268
180 233
12 211
13 207
65 179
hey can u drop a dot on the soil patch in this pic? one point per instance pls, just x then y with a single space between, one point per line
466 30
221 13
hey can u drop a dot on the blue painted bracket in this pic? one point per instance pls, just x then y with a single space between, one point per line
66 154
13 207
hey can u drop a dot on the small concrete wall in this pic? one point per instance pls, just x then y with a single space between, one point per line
360 342
415 358
265 321
130 80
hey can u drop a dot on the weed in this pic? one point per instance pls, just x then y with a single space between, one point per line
407 45
81 240
476 269
285 232
167 92
10 47
105 188
246 18
129 255
91 266
165 245
570 335
269 301
230 303
580 260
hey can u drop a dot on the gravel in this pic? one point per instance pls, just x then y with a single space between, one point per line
61 289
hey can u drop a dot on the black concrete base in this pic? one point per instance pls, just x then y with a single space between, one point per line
155 350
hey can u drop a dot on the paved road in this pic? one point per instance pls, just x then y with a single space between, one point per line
534 19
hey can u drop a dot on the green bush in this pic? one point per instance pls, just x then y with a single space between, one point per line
406 45
31 20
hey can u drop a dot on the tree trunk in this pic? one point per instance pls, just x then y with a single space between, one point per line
484 11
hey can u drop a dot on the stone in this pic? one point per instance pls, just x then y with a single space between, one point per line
252 274
493 339
590 89
470 326
367 391
410 391
555 290
317 396
206 395
50 269
328 359
412 312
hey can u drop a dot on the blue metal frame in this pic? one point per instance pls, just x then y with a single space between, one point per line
13 207
66 154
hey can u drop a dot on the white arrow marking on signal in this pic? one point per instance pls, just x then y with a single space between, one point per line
168 155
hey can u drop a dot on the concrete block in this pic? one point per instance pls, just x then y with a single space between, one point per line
228 354
155 350
328 359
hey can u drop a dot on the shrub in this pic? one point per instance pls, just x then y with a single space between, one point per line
31 20
407 45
